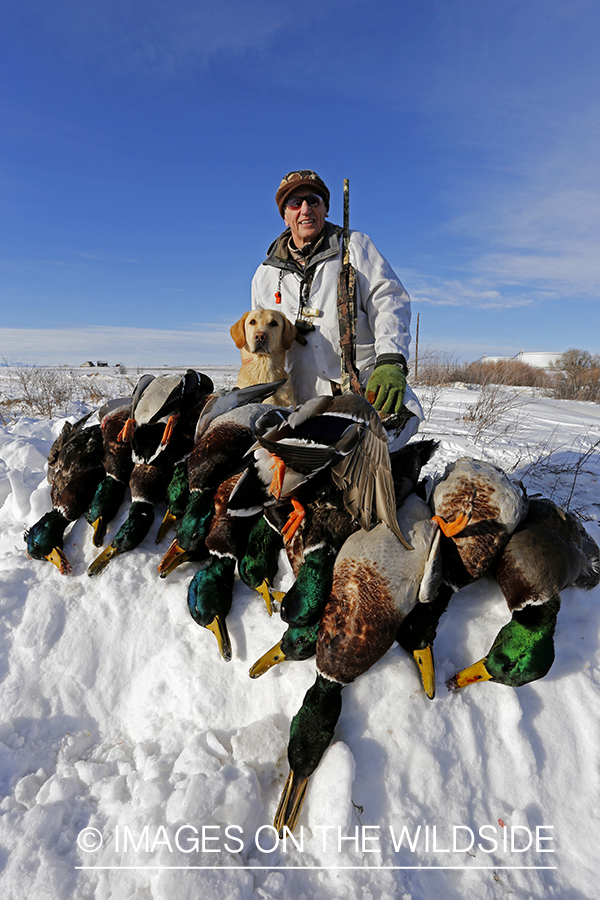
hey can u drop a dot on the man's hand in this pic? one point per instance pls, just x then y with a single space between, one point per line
386 387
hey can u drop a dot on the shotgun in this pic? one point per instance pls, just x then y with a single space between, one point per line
346 303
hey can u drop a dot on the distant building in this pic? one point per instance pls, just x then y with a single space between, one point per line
539 359
101 362
87 365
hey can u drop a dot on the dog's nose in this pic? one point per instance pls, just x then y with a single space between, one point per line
260 336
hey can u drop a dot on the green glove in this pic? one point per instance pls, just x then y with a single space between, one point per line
385 388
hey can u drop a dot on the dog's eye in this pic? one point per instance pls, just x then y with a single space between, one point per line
273 324
252 322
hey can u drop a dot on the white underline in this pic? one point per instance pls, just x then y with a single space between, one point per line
312 868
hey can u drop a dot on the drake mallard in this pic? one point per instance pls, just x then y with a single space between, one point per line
313 550
209 454
118 466
210 592
74 471
167 399
177 498
375 585
259 563
223 434
477 508
549 551
161 435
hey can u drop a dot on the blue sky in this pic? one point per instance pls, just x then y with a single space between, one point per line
143 141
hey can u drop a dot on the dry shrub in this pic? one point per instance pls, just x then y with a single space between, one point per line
435 367
510 372
497 413
577 376
47 392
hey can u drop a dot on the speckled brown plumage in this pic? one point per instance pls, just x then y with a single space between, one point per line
360 606
495 504
376 584
148 483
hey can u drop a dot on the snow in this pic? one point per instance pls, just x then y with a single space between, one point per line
118 714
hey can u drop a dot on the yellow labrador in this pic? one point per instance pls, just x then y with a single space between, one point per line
263 336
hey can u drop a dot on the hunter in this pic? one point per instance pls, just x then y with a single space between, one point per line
300 278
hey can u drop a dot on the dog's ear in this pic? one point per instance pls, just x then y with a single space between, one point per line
238 332
290 333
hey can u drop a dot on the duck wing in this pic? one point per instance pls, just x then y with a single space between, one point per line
364 475
346 434
139 389
223 402
157 399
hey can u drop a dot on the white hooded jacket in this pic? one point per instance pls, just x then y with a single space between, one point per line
383 310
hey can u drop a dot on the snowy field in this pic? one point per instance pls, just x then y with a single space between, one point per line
118 714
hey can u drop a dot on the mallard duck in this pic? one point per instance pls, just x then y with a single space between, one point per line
177 498
259 563
210 592
162 435
192 530
118 466
167 399
74 472
313 551
339 438
548 552
147 484
223 435
417 633
225 431
477 507
375 585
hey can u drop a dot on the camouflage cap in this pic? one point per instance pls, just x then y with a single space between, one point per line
301 178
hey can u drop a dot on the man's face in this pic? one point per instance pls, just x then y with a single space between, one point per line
306 223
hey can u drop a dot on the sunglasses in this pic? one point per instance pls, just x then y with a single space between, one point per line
296 202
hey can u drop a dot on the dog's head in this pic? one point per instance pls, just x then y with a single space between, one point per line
263 332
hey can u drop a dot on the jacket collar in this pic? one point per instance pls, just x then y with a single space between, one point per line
279 255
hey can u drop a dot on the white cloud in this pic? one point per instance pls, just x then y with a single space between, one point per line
469 291
209 344
537 224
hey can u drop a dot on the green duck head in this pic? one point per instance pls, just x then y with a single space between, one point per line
210 596
297 643
260 559
191 533
311 732
195 522
306 599
129 536
177 497
523 650
104 507
260 562
45 540
417 632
